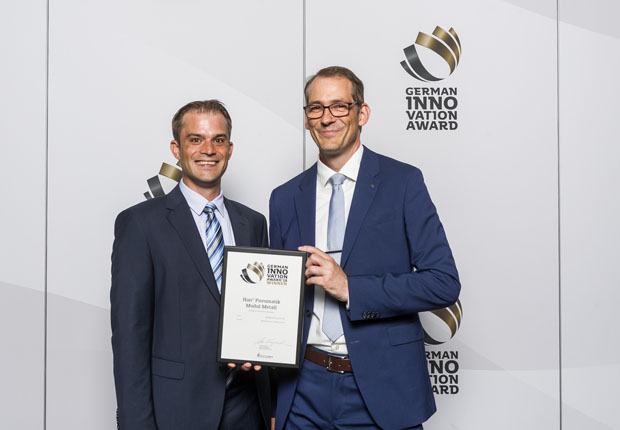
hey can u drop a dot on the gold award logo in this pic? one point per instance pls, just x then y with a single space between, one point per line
441 325
155 187
253 273
446 44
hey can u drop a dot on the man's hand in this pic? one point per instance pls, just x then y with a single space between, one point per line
245 366
322 270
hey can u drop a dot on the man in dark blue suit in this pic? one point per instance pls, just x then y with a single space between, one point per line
378 256
165 295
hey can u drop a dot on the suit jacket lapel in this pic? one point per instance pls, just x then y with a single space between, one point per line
365 190
239 224
181 219
305 206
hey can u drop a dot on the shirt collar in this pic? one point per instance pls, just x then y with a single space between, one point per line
197 203
350 169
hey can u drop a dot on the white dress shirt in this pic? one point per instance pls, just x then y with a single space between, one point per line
316 337
197 205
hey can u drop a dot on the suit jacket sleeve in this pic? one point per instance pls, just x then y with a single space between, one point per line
275 236
432 281
264 241
131 299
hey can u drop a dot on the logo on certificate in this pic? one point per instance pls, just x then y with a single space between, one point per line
277 274
253 273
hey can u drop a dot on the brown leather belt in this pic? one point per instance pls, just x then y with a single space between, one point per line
330 362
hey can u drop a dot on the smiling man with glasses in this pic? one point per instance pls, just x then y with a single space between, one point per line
378 255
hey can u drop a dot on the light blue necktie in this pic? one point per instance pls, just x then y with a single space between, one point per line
332 325
215 243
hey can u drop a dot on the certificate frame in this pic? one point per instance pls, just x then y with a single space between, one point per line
261 308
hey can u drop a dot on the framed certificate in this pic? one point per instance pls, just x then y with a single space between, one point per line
261 306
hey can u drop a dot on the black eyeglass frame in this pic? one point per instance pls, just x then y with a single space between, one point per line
349 105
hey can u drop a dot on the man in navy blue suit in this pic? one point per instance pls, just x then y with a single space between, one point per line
378 256
165 295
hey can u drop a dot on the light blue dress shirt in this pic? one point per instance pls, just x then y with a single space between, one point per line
197 204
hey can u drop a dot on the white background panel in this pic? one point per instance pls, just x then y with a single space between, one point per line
503 400
590 209
22 176
23 44
494 181
118 73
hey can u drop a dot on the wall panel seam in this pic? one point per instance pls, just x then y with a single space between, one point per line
303 130
45 270
559 232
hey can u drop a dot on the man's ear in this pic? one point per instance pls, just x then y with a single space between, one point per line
175 148
364 114
231 146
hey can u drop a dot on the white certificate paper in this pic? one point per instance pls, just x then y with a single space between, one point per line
261 306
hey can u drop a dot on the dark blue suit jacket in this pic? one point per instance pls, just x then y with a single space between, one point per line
398 263
165 316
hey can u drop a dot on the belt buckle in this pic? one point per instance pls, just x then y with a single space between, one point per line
329 365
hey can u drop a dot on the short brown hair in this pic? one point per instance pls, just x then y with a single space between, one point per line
357 86
205 106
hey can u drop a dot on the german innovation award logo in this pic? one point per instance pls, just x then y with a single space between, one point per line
446 44
253 273
432 58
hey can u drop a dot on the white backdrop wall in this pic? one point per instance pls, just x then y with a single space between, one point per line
118 73
526 186
494 180
589 53
23 45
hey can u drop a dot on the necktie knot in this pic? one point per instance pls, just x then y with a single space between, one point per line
214 242
210 208
337 179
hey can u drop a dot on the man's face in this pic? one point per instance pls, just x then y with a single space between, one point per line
204 150
335 136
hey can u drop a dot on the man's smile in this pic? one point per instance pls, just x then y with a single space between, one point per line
207 163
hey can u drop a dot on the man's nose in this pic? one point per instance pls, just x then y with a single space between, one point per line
207 147
327 117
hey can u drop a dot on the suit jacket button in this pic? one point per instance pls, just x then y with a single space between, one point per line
308 313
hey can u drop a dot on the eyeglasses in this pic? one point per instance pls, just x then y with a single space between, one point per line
338 110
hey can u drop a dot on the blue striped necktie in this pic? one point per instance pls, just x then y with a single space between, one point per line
332 325
215 243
